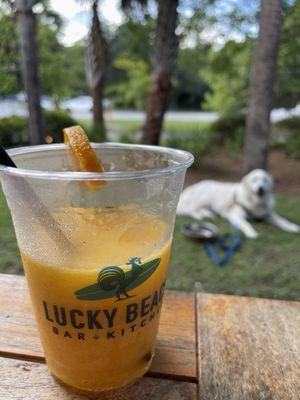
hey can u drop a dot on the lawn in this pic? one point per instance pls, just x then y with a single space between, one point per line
9 253
268 267
130 127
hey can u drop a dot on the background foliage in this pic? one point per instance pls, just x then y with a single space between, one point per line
212 73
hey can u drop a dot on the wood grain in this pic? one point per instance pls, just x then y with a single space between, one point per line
176 346
22 380
175 353
18 330
249 349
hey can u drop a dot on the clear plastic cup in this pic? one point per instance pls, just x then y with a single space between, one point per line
96 255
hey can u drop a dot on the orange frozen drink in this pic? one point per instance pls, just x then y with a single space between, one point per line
98 311
94 225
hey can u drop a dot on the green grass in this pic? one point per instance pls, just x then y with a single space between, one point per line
267 267
191 136
9 254
133 126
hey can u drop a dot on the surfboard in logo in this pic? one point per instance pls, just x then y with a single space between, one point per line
114 281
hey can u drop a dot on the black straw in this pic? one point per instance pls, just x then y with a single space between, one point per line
5 158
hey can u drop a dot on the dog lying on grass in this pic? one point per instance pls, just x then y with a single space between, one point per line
252 198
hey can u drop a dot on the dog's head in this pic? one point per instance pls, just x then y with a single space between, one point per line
258 182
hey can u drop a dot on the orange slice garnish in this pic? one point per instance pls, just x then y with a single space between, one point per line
82 156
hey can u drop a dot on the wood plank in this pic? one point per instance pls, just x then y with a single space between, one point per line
18 329
175 353
248 348
23 380
176 345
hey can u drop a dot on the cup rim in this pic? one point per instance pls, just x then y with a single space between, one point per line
186 161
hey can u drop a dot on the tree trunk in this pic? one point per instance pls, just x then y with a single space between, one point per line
263 74
97 61
26 20
98 117
164 60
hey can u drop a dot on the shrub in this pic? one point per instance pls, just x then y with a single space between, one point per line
94 134
13 131
129 138
56 121
229 130
197 144
194 137
291 124
289 128
293 145
186 127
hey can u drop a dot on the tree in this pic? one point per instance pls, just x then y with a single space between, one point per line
53 74
28 50
131 38
164 60
189 87
227 69
132 91
62 69
262 81
97 62
128 77
10 82
74 69
227 74
287 89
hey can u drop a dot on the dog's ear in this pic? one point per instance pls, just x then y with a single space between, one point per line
245 180
271 180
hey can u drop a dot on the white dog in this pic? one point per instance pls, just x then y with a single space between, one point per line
236 202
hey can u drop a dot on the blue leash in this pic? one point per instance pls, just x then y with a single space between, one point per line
223 249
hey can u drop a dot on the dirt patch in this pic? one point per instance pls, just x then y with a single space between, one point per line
286 171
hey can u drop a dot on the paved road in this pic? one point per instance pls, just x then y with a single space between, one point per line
80 108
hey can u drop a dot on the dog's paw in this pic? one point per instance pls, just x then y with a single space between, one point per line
252 235
294 228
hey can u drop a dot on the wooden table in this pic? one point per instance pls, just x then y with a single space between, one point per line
210 347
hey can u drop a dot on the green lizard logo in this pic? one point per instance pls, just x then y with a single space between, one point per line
114 281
